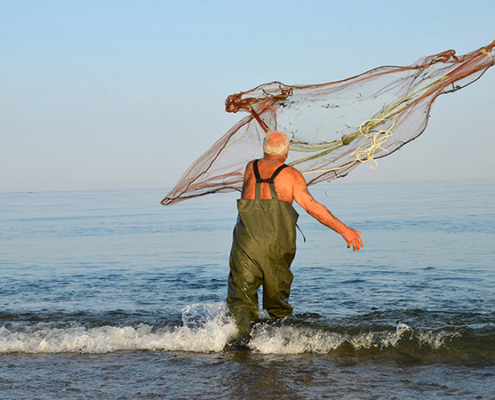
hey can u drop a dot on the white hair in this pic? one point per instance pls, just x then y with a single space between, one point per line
276 143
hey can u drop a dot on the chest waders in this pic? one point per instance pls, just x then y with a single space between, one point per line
263 247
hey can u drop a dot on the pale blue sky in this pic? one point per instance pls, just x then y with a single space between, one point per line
127 94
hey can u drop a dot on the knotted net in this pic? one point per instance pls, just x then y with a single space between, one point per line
333 127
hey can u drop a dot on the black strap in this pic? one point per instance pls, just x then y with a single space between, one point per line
271 183
269 180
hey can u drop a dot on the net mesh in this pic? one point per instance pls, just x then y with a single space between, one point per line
333 127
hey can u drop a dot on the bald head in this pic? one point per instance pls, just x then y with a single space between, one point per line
276 144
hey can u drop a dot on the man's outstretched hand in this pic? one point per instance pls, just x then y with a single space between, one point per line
352 238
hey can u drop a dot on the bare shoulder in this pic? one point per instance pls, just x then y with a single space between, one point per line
293 172
296 176
300 189
248 172
248 165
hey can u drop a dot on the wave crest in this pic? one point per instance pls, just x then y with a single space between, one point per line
207 328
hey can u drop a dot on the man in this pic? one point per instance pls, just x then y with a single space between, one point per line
264 242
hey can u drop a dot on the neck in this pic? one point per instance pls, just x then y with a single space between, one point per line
275 158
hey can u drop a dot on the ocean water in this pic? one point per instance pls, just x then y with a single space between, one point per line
109 295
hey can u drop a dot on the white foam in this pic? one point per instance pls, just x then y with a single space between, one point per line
436 340
393 338
293 340
207 335
297 340
206 328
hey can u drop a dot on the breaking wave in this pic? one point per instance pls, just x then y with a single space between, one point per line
206 328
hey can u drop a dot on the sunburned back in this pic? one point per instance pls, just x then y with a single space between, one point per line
284 182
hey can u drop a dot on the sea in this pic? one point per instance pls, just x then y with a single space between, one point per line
110 295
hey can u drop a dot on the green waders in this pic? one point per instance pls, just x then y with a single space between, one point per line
263 248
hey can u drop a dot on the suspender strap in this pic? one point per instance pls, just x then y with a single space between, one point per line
270 180
256 171
277 171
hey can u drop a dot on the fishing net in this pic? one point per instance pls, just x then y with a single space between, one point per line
333 127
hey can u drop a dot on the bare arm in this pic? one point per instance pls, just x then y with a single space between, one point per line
322 214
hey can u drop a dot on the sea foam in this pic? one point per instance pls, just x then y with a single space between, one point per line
207 328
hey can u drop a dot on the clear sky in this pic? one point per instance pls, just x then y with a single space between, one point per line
127 94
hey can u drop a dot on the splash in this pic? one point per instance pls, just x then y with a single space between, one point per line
287 339
207 328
